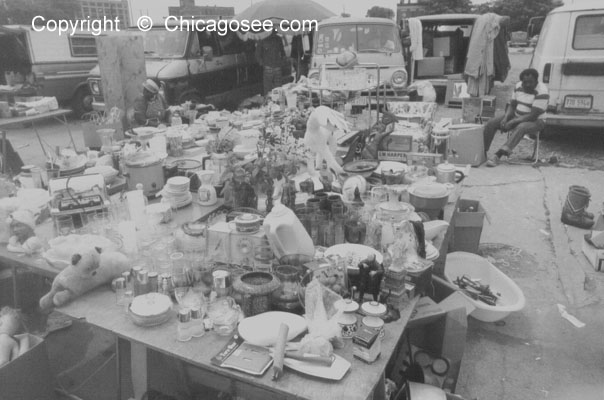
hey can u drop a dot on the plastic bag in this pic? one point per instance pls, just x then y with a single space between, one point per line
322 314
424 89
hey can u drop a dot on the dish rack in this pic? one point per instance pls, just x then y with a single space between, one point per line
79 197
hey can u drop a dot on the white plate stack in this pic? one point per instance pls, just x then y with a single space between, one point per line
176 192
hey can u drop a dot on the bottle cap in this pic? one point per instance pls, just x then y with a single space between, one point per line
196 313
184 315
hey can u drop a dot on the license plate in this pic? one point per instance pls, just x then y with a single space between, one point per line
578 102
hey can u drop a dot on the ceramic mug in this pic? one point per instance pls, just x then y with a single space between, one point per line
348 323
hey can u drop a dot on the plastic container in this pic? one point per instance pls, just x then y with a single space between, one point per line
511 298
286 234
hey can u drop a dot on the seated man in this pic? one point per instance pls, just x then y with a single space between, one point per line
528 102
150 108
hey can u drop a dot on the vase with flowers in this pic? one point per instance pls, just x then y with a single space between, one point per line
279 155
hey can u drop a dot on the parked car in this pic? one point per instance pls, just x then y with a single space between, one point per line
58 65
204 67
376 41
570 59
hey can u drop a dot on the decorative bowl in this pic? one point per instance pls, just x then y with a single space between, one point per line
361 167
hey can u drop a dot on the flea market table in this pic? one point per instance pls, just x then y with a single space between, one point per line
98 308
58 115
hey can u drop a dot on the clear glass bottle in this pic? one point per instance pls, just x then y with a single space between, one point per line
197 326
183 329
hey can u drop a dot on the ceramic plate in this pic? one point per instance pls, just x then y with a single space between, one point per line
354 253
432 252
263 329
335 372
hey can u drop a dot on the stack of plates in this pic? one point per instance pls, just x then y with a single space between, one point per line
176 192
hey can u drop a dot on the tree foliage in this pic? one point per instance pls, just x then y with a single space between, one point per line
380 12
448 7
23 11
519 11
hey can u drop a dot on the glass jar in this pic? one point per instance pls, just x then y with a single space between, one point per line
290 284
224 314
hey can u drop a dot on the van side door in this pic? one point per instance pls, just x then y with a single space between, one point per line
582 70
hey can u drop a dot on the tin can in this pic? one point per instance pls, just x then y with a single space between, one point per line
153 281
222 282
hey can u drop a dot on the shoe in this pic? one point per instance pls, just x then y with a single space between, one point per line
573 211
493 161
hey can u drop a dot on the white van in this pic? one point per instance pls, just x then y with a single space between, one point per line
57 64
569 57
374 40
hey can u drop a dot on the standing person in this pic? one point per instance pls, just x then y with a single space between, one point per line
150 108
528 102
270 53
300 53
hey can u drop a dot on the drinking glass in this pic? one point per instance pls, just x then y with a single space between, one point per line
182 285
65 225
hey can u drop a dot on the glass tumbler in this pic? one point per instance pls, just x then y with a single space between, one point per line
65 225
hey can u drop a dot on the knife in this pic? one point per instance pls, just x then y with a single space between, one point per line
309 357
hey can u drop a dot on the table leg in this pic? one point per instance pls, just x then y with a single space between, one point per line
15 288
4 155
64 122
33 125
118 370
138 365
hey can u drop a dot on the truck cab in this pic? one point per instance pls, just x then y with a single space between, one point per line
376 42
204 67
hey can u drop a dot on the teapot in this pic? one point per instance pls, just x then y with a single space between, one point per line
447 173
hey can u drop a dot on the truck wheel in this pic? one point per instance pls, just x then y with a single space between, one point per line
81 102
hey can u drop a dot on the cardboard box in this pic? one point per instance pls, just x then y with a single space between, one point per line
470 108
467 143
28 376
441 331
594 255
467 225
431 66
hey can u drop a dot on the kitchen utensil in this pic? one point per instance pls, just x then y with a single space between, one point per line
447 173
145 168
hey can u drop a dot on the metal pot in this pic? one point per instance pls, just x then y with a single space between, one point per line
150 174
447 173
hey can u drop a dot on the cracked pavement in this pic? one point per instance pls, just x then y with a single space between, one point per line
537 353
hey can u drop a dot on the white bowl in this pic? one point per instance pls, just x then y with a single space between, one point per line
512 299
